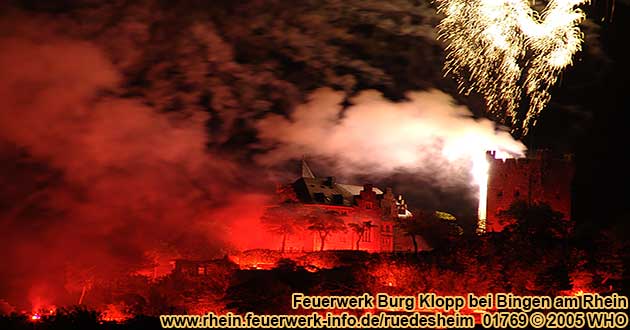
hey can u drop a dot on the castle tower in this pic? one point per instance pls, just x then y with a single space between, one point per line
539 178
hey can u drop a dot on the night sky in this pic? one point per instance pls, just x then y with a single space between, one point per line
132 128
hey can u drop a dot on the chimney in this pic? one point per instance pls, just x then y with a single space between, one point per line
389 194
330 181
367 187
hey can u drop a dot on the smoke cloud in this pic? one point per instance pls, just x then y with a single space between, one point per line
427 134
95 184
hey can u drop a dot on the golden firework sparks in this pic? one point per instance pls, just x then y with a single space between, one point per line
504 49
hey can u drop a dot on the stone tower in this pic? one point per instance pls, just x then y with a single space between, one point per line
538 178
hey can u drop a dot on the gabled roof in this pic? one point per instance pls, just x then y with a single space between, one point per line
322 191
306 171
313 190
356 190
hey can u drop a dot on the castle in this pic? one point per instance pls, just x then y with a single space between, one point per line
369 215
538 178
372 211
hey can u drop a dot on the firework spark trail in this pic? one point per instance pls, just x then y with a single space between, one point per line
504 49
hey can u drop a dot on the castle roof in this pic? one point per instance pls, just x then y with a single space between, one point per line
327 191
356 190
306 171
314 190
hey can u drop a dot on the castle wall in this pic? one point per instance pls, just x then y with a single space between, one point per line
379 238
539 179
354 204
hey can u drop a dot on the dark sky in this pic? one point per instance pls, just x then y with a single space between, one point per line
600 145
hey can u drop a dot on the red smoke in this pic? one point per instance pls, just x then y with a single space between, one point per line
95 184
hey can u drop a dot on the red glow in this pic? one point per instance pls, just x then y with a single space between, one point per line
115 313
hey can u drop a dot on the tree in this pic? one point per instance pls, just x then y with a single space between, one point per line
413 227
360 229
434 226
286 193
80 278
535 220
325 222
284 220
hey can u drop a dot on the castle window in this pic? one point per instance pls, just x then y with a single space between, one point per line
367 234
201 270
385 242
319 197
369 205
337 199
517 194
500 193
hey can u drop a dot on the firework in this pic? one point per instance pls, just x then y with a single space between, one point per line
507 51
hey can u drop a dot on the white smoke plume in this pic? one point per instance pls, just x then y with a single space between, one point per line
427 134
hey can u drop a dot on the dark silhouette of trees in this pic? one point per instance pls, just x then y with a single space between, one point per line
535 221
325 222
74 317
536 246
412 227
435 227
285 219
360 229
